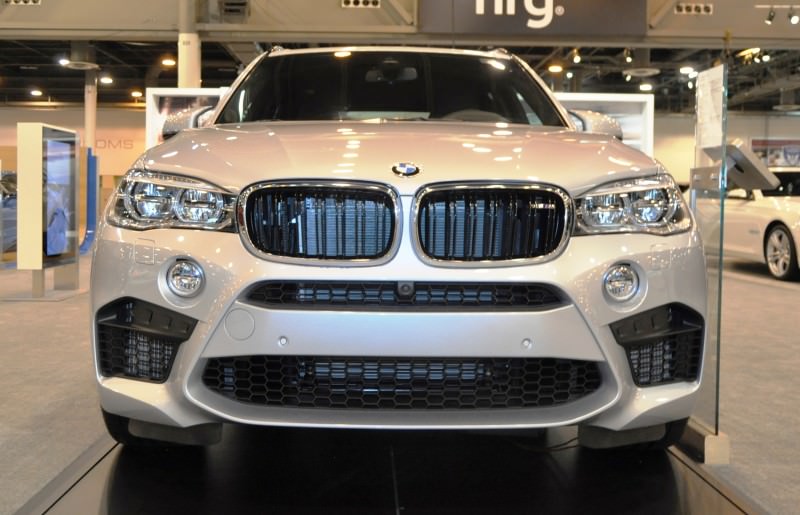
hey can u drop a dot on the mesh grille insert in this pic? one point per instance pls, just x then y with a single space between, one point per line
408 295
401 383
663 345
321 222
490 224
139 340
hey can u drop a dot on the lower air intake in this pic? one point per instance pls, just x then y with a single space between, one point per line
663 345
401 383
139 340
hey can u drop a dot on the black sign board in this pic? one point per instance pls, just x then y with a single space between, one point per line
583 18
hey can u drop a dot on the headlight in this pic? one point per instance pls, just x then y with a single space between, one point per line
150 200
651 204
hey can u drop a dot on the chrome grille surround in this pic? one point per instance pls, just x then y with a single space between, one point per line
243 214
566 219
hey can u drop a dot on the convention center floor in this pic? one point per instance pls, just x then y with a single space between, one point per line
56 457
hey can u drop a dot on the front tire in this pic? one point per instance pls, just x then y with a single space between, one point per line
780 253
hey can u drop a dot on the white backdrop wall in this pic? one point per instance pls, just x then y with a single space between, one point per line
119 133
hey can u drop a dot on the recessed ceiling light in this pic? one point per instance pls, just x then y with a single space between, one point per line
36 92
686 70
169 61
136 93
555 68
106 79
645 86
63 61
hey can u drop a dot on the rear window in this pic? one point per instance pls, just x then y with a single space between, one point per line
390 85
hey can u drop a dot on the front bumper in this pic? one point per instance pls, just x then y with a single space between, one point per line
131 264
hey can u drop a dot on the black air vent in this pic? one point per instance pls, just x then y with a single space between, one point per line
491 223
320 221
401 383
413 296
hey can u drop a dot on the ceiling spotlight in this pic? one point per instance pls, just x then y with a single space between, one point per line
693 74
36 92
169 61
136 93
756 59
627 78
794 18
627 55
686 70
555 68
690 85
645 86
63 61
570 75
576 56
106 79
770 17
765 58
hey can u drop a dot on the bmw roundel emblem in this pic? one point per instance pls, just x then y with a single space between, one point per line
405 169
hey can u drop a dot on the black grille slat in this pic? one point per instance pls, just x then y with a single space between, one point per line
317 222
490 224
386 295
401 383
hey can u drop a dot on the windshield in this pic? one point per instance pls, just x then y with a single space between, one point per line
789 186
390 85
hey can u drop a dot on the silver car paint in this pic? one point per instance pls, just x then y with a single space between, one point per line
134 263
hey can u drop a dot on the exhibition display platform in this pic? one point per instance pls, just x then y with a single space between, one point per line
290 470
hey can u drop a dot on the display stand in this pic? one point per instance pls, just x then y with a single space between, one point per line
47 206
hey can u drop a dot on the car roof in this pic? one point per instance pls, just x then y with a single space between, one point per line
494 54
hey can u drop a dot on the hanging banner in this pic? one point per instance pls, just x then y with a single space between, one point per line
622 18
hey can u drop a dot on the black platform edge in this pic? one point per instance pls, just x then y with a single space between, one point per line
727 490
60 486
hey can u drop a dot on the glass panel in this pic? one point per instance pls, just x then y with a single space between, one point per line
708 191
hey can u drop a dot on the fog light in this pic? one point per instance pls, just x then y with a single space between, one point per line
185 278
621 282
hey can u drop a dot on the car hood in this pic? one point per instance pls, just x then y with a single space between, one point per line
235 156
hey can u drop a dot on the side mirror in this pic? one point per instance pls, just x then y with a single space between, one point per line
739 193
185 120
597 123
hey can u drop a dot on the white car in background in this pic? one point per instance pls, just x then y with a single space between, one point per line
764 225
397 237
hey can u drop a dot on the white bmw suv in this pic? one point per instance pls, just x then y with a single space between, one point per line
396 237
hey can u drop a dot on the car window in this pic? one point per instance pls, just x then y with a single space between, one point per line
390 85
789 186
